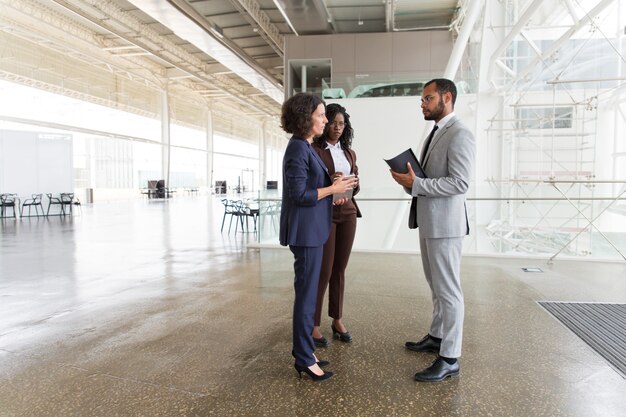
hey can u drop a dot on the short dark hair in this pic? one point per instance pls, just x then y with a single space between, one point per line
332 110
444 86
297 113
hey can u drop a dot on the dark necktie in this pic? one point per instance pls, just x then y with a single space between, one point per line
428 140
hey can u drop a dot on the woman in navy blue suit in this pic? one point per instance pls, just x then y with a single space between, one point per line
305 219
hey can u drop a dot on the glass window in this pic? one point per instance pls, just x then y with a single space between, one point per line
544 117
31 103
187 137
187 168
236 162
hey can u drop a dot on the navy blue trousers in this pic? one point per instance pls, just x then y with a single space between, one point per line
307 266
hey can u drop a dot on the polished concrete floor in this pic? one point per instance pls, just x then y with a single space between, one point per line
145 308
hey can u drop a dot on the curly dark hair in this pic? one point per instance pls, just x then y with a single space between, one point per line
332 110
297 113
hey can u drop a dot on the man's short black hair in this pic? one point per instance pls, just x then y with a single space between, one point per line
444 86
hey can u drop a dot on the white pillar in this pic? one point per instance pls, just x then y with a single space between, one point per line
303 80
461 42
209 150
165 136
617 125
262 153
489 164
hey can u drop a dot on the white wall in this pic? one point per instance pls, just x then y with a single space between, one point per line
33 162
375 57
384 127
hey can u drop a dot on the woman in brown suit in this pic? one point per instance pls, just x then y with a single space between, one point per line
335 149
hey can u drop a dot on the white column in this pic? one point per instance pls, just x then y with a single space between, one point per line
209 150
262 153
617 125
461 42
165 136
89 144
303 78
490 151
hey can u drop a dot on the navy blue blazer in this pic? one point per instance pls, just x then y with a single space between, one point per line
304 221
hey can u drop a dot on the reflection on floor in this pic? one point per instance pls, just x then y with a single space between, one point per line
145 308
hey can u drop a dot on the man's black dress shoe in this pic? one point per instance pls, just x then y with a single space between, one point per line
438 371
321 342
427 344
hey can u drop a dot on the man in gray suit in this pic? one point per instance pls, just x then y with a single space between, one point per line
438 208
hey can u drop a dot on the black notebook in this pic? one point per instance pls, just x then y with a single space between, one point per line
398 163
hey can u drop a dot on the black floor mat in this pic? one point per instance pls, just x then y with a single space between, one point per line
601 326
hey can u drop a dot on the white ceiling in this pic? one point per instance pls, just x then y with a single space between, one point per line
131 36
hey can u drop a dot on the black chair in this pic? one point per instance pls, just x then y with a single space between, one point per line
151 190
160 189
220 187
35 202
67 199
54 200
76 202
246 211
231 208
8 201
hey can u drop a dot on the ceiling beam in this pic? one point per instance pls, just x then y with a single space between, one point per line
149 40
389 15
268 31
188 24
461 42
40 25
56 89
521 22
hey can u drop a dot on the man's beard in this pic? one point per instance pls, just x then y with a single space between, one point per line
437 113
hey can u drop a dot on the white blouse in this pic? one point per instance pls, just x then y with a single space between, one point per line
339 158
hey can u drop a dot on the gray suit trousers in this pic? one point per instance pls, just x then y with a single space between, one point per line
441 258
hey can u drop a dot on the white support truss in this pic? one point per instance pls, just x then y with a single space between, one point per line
268 31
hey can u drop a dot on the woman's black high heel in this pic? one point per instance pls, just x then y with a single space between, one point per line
313 375
321 342
344 337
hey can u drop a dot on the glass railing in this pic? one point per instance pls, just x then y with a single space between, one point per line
551 220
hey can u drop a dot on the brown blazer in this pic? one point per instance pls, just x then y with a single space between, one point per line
350 207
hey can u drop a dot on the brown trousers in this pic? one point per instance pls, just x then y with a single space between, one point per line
335 260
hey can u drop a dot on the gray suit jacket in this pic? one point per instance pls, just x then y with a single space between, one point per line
438 205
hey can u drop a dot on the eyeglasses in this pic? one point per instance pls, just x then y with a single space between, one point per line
427 99
338 124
